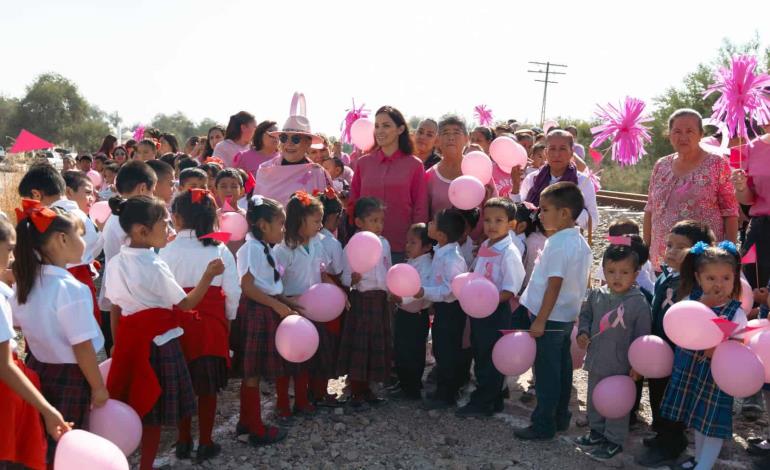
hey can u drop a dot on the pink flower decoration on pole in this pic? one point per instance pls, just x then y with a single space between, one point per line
352 116
139 133
744 95
595 178
483 114
624 126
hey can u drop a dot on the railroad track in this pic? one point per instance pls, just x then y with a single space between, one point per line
624 200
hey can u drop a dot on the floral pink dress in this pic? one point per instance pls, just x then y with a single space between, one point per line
705 194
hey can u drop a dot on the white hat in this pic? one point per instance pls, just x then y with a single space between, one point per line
297 123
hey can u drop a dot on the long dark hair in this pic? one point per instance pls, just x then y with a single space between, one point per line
107 144
171 140
262 129
267 210
200 216
29 240
404 140
233 131
209 150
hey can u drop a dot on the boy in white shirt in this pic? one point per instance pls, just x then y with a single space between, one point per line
553 297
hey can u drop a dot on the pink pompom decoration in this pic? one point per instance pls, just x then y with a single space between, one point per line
747 296
118 423
760 344
737 370
477 164
363 252
624 126
614 396
296 339
80 450
362 134
514 353
466 192
100 211
507 153
353 115
651 357
479 298
403 280
689 325
483 115
460 280
323 302
104 369
577 353
235 224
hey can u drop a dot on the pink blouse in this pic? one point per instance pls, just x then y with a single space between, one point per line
251 159
756 162
704 194
398 181
279 182
227 149
502 180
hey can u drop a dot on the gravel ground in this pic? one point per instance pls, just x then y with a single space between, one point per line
399 435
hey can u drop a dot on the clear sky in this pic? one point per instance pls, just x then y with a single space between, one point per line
214 58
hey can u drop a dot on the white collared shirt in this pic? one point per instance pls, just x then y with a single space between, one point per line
113 238
137 279
333 249
586 187
466 249
6 317
374 279
187 259
251 258
302 266
446 265
94 243
566 255
58 314
423 265
506 270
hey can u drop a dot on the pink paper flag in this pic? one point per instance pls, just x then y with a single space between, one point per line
595 155
27 141
751 256
223 237
726 326
226 207
250 184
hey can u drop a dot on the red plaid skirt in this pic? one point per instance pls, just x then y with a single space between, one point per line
65 387
365 344
323 364
252 339
22 438
208 374
177 399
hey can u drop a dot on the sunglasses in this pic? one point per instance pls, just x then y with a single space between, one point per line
295 138
119 154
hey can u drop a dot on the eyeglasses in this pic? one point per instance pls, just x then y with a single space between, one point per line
295 138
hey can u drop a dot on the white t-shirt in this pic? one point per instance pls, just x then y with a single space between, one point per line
566 255
137 279
506 270
446 265
302 266
423 265
6 318
586 187
94 243
188 259
333 249
251 258
374 279
58 314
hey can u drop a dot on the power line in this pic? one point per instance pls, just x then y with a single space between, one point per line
547 72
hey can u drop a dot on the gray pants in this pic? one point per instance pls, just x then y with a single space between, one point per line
614 430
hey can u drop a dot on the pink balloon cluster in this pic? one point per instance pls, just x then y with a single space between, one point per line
760 345
235 224
323 302
507 153
363 252
80 450
362 133
689 325
737 369
460 280
466 192
403 280
479 298
478 165
296 338
514 353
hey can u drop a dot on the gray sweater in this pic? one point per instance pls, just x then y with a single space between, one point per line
608 352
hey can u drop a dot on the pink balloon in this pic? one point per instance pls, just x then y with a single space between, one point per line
514 353
466 192
403 280
118 423
747 296
104 369
461 279
760 344
362 133
363 251
323 302
508 153
95 178
652 357
763 323
296 338
547 125
234 223
100 211
689 325
614 396
578 354
477 164
737 370
80 450
479 298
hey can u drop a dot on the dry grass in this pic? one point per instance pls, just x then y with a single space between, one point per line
10 175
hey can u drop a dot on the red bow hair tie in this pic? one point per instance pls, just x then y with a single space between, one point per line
40 216
304 198
216 160
329 193
197 195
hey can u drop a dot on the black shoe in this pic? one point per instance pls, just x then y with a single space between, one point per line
474 410
241 429
506 393
271 436
373 400
756 448
688 464
393 387
606 451
437 404
183 450
408 395
653 441
526 397
206 452
498 407
590 439
530 434
359 404
655 457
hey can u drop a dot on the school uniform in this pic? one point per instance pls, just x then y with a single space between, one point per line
57 315
113 237
333 249
608 352
565 255
149 371
22 437
365 344
205 339
501 264
448 322
466 249
410 332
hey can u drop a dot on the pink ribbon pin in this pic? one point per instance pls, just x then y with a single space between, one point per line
669 298
605 322
488 271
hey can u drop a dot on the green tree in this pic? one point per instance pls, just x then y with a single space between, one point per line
178 124
203 127
8 107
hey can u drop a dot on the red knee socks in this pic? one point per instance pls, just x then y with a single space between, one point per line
207 410
319 388
185 430
150 444
251 412
301 383
282 390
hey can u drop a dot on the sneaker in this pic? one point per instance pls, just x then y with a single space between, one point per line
271 436
183 450
206 452
590 439
530 434
373 399
473 410
393 387
606 451
751 412
758 446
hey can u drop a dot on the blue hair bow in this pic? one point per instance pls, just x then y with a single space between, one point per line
699 248
729 247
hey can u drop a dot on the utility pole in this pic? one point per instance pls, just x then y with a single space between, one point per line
548 72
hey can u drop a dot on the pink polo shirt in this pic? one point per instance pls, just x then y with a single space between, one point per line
227 149
399 181
757 163
251 159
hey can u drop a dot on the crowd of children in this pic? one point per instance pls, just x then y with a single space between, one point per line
176 299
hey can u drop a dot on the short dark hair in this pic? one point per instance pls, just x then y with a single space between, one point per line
694 231
132 174
85 156
451 223
502 203
189 173
538 147
471 216
171 140
161 168
637 247
111 166
262 129
186 162
365 206
41 177
229 173
624 226
617 253
169 158
453 120
75 179
565 195
421 231
332 205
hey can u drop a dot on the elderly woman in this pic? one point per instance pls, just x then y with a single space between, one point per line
690 184
240 130
391 173
425 142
